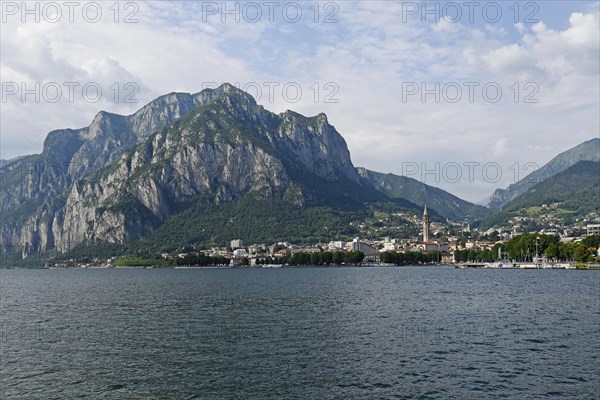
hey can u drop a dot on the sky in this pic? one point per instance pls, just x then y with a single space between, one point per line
466 96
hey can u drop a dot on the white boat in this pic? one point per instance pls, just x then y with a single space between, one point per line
271 266
502 264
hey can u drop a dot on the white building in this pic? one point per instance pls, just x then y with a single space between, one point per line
239 253
255 249
370 252
237 243
390 244
427 246
593 229
335 245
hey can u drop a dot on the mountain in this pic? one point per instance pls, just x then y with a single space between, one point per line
587 151
6 162
224 151
190 168
445 204
35 189
560 200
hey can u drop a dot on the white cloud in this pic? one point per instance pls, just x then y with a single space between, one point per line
500 148
520 27
511 58
369 54
444 25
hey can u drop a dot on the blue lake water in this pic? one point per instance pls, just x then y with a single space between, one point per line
300 333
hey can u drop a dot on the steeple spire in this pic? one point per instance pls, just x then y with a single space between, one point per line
425 224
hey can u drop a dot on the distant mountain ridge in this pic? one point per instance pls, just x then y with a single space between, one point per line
445 204
571 194
586 151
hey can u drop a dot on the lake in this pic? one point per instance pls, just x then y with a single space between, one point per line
300 333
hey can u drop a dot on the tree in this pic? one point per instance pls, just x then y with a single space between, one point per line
360 256
187 249
387 257
315 259
565 251
523 246
581 253
354 257
338 257
399 258
592 241
459 255
552 251
471 255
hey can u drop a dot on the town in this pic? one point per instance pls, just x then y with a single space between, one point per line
437 244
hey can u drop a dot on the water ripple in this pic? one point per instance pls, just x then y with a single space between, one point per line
343 333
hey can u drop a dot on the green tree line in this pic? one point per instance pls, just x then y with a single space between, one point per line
189 260
523 248
316 258
409 257
475 255
200 260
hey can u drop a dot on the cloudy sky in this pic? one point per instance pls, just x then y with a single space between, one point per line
467 96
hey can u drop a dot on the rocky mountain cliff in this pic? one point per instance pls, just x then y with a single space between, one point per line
35 188
123 176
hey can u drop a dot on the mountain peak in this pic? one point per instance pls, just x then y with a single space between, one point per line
228 88
230 91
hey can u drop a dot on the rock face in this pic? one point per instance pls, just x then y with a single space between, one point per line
123 176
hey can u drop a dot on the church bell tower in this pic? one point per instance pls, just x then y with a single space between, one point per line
425 225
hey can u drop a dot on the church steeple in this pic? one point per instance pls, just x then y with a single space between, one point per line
425 225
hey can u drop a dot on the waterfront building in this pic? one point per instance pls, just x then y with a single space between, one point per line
370 252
